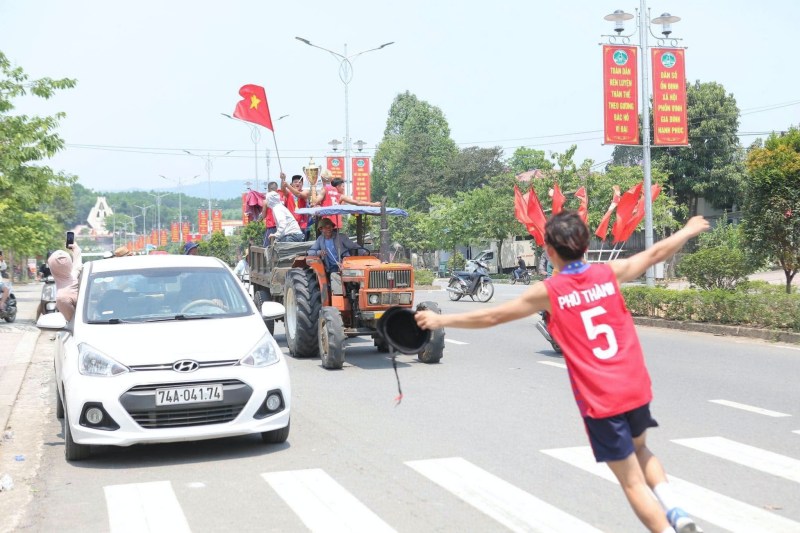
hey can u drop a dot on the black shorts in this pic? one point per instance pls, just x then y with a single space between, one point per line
612 438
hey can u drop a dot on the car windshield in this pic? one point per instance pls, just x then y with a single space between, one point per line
149 295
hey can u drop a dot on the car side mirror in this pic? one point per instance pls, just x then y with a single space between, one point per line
272 310
51 321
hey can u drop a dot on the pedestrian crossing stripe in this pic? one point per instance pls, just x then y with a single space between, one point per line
322 504
743 454
552 363
509 505
751 408
144 507
701 503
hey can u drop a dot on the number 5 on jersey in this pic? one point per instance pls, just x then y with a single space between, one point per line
595 330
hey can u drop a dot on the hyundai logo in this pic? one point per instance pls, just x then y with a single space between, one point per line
185 365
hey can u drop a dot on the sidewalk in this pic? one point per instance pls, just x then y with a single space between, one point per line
17 343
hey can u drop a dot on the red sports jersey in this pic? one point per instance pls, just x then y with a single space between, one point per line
292 203
332 198
595 331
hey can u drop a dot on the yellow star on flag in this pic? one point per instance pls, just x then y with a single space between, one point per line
254 102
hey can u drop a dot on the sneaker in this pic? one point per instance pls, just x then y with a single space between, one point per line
682 522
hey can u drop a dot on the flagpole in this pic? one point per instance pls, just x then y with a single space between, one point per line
277 153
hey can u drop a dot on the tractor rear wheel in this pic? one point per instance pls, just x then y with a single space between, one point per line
434 350
302 301
331 338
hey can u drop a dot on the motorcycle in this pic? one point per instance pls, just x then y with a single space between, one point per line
10 312
525 278
541 325
459 285
47 304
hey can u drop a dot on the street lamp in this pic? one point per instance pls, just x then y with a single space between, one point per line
619 17
209 159
179 181
144 219
255 136
158 210
346 75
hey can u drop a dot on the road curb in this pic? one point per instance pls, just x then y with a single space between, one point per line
13 373
719 329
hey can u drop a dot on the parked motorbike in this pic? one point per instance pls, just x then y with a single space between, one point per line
10 313
459 285
47 304
541 325
525 278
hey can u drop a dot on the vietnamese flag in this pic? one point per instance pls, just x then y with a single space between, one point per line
583 209
625 209
529 213
253 106
558 199
639 213
602 229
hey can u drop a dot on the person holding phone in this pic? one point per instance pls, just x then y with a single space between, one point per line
66 269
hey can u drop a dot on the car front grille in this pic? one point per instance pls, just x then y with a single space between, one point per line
140 403
168 366
379 279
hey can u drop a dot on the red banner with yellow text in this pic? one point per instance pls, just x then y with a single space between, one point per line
174 232
202 221
620 95
216 220
163 240
185 229
336 165
361 179
670 126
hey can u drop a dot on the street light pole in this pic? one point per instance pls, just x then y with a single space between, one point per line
209 160
255 136
346 75
158 210
180 206
144 220
665 20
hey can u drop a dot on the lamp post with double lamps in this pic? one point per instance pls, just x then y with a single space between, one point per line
346 75
179 181
209 160
619 17
158 198
144 221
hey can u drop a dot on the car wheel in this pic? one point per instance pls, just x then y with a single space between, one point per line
485 291
434 350
72 450
261 296
455 296
331 338
302 301
276 436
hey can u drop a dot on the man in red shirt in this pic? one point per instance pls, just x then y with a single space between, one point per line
606 367
296 198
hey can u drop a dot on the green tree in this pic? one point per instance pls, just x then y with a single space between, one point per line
27 188
525 159
220 247
771 209
470 168
415 154
711 167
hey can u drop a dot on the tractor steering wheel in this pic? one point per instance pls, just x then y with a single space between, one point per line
348 252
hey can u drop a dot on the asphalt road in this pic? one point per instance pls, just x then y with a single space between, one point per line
488 440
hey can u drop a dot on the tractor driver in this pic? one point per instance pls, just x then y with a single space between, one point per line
330 246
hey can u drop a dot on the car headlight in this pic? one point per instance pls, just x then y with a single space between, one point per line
264 353
352 273
93 362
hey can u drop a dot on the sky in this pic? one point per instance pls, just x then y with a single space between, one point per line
155 76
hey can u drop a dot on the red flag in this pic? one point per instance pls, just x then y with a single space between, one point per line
625 209
558 199
602 229
529 212
583 210
253 106
639 213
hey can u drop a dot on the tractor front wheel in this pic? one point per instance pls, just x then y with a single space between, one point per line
331 338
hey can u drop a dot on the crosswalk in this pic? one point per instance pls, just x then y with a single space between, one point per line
323 505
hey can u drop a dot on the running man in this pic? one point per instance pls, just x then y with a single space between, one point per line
604 358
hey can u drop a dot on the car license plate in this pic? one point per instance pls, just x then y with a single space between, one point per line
211 392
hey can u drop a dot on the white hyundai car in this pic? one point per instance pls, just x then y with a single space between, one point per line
166 348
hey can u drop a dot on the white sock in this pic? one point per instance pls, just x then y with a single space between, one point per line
664 493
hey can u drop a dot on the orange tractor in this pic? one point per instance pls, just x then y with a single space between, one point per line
322 310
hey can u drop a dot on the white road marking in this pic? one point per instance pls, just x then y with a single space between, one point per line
705 504
552 363
150 507
322 504
451 341
752 409
750 456
509 505
796 431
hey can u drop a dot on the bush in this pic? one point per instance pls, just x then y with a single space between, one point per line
423 277
717 267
